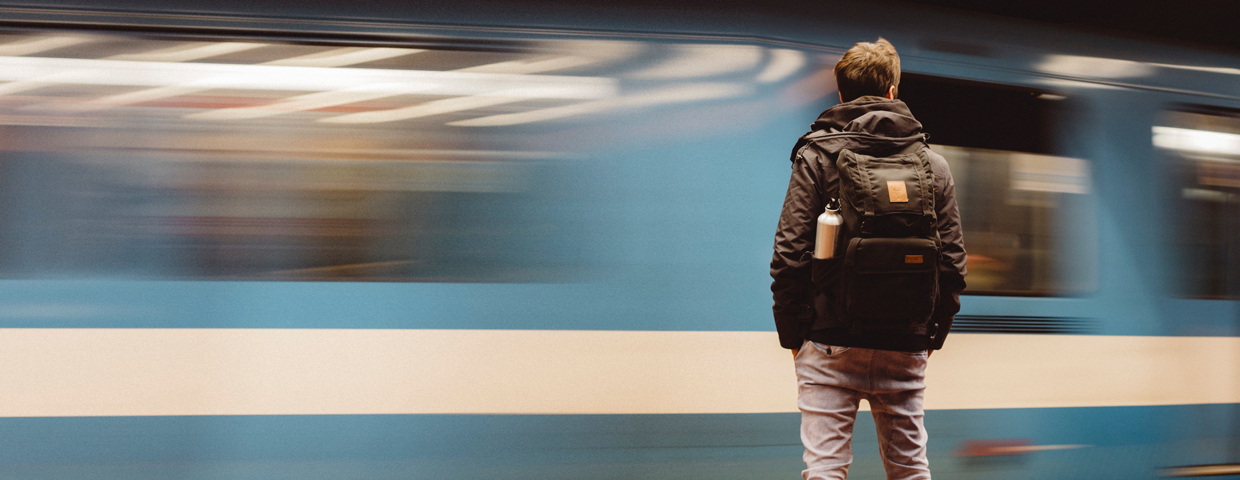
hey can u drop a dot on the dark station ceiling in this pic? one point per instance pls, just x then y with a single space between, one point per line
1212 24
1208 23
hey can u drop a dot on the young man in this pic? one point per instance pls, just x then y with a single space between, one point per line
838 364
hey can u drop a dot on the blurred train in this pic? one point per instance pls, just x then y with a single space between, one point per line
330 240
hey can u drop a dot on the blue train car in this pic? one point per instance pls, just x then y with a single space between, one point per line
328 241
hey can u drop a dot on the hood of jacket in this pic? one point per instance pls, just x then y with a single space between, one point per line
868 125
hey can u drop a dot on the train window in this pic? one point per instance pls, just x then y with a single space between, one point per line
1028 215
1202 148
142 157
436 159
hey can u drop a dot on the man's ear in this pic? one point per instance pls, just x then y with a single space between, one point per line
891 92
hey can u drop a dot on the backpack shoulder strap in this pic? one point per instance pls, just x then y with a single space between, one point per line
929 208
806 139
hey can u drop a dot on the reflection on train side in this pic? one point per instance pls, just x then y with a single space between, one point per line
1203 160
1029 221
449 216
183 158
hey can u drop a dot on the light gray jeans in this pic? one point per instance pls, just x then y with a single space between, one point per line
830 383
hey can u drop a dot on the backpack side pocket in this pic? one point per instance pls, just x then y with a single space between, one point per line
827 277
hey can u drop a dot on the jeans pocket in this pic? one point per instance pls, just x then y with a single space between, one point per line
829 350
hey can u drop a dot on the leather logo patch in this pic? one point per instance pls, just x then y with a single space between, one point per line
912 259
897 191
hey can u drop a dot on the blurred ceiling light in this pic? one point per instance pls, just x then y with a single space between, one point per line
31 46
332 58
693 61
314 101
272 77
599 51
675 94
1094 67
369 92
783 63
21 86
527 66
1066 83
1201 141
436 107
341 57
38 45
449 105
129 98
188 52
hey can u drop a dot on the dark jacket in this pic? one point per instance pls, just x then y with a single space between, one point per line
870 126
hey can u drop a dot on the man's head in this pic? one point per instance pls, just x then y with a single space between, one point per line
868 69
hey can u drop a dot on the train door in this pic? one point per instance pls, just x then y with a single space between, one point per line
1200 151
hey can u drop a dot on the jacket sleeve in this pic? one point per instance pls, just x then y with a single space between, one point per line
790 266
952 264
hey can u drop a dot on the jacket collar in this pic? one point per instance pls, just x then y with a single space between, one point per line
869 114
867 125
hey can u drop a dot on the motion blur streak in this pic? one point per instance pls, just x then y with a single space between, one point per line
332 58
315 101
676 94
271 77
1114 68
1191 140
695 61
1224 70
1202 471
188 52
531 66
35 45
783 64
460 104
344 56
436 107
127 98
1094 67
542 246
311 371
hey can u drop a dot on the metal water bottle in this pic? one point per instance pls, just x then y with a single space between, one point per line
828 230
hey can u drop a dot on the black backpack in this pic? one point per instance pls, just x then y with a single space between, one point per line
884 276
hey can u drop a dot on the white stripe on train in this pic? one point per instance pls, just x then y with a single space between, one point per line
119 372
